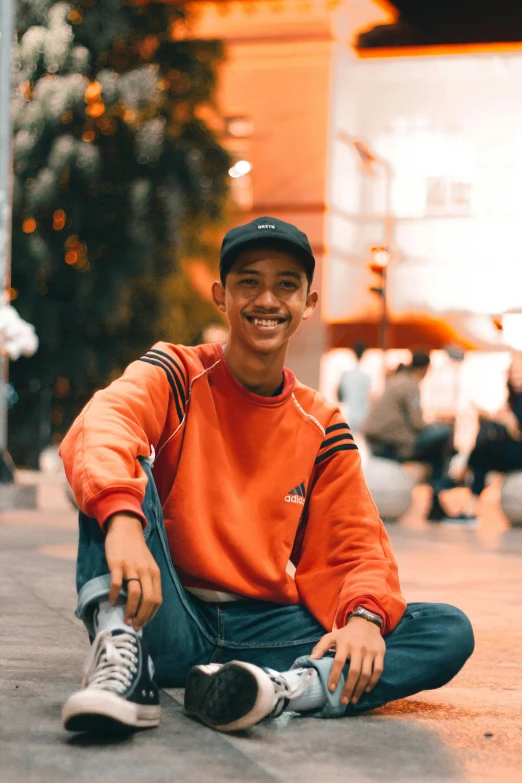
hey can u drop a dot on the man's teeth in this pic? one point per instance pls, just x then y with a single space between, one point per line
265 322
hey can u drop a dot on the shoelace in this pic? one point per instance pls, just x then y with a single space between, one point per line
286 691
112 662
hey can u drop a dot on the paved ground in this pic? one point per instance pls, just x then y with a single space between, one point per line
470 731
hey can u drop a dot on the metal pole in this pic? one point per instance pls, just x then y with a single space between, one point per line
389 245
6 40
368 161
389 225
384 315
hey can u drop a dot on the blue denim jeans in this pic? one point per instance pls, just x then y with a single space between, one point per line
426 650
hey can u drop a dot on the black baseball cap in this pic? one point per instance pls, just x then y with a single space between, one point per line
266 230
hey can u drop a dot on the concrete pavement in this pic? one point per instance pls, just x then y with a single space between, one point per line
468 732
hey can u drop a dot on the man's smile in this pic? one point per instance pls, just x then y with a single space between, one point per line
266 323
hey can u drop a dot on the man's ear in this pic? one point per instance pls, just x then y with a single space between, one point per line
311 304
218 296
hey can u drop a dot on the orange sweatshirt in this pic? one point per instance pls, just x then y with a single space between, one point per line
247 483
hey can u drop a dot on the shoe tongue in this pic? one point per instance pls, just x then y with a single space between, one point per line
121 631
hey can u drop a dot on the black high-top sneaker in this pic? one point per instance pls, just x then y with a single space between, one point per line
236 695
118 690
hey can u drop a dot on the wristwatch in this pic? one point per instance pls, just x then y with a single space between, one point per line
360 611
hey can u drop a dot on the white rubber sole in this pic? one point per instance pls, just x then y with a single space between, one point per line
203 679
84 709
264 701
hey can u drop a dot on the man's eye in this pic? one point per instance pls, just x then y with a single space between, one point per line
288 284
249 281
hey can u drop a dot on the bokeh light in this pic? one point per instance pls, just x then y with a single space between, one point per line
29 225
240 168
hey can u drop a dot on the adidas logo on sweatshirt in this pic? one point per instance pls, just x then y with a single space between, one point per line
297 495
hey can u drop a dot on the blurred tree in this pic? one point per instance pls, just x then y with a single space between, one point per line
117 170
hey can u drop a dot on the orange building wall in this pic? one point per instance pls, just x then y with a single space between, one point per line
284 89
278 73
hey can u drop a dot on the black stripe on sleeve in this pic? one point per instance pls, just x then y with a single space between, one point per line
175 366
334 427
159 361
170 379
342 447
331 441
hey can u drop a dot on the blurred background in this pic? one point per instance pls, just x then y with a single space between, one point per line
141 131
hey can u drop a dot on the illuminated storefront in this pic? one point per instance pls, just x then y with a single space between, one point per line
443 184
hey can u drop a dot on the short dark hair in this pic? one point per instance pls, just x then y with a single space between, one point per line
268 243
420 360
359 349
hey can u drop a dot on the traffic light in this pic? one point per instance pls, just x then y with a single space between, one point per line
379 289
381 257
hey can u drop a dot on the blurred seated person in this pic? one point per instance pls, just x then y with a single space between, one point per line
499 441
354 391
395 429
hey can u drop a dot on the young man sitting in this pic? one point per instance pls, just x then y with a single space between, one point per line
228 541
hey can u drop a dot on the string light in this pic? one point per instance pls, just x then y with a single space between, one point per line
93 92
95 106
240 168
76 254
29 225
95 109
59 219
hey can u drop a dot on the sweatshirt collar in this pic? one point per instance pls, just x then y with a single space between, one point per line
258 399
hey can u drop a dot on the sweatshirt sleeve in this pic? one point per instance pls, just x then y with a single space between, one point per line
345 558
121 423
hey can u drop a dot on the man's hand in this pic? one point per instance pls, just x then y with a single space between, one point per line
128 558
361 642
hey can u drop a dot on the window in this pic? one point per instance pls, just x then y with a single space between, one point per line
446 197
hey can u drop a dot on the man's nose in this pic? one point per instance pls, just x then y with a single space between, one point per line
267 300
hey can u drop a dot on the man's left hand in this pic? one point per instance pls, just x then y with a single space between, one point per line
361 643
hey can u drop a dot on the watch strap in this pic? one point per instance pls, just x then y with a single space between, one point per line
360 611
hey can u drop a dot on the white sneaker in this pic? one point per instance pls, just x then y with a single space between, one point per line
117 690
237 695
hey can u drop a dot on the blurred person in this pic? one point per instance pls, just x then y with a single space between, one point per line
395 429
354 390
200 474
499 441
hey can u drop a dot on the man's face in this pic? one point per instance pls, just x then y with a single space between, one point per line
265 298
